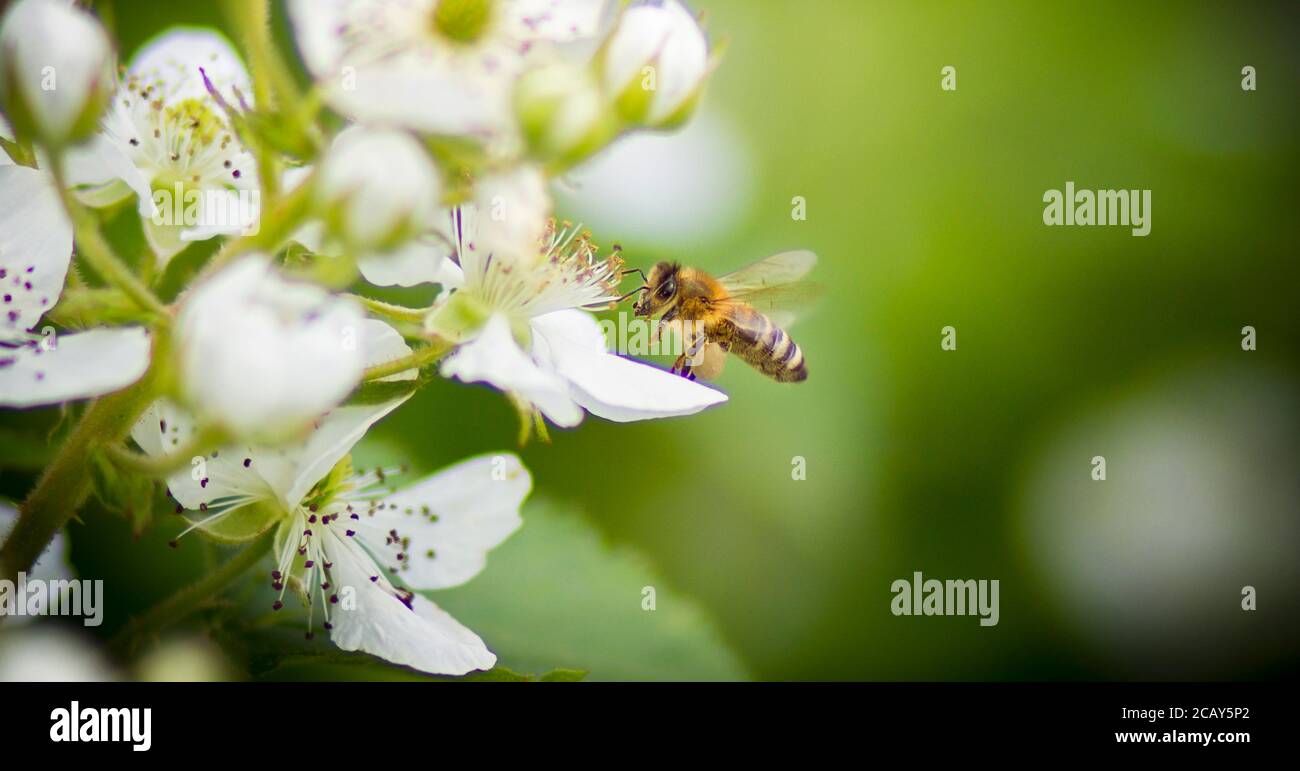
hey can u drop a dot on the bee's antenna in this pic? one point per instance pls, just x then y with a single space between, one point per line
629 294
635 270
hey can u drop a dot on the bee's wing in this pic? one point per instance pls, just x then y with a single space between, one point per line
783 304
775 286
783 268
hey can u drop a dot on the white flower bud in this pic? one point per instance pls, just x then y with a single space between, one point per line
562 112
56 71
379 187
655 63
263 356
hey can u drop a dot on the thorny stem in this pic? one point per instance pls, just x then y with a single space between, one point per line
421 357
192 597
95 250
389 310
62 488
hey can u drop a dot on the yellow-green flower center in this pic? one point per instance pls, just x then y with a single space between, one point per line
462 21
196 119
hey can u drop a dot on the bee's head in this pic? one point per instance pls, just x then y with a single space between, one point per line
660 289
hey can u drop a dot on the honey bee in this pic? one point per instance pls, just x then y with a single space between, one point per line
742 313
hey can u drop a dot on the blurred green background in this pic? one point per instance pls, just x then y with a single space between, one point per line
925 207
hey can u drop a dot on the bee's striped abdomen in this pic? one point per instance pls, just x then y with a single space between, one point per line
766 347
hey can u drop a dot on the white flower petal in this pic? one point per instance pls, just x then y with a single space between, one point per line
493 357
101 174
421 636
78 366
164 428
35 248
176 56
224 212
316 25
611 386
514 211
452 519
335 436
381 344
448 103
558 21
412 264
343 427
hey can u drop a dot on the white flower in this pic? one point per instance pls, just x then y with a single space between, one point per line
56 70
167 138
523 330
262 355
441 66
380 187
351 548
35 251
50 653
655 63
517 207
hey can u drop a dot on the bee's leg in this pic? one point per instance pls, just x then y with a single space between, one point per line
679 364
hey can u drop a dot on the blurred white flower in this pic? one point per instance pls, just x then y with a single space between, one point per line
379 188
167 138
261 355
49 653
185 660
56 70
352 548
521 326
39 368
517 206
1198 502
655 63
677 190
441 66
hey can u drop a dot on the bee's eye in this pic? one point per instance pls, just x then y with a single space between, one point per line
666 290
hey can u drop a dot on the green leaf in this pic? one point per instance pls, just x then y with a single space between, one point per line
131 496
242 525
554 594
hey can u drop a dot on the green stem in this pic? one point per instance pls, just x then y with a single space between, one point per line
274 86
66 481
95 250
418 359
192 597
390 310
162 465
275 228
